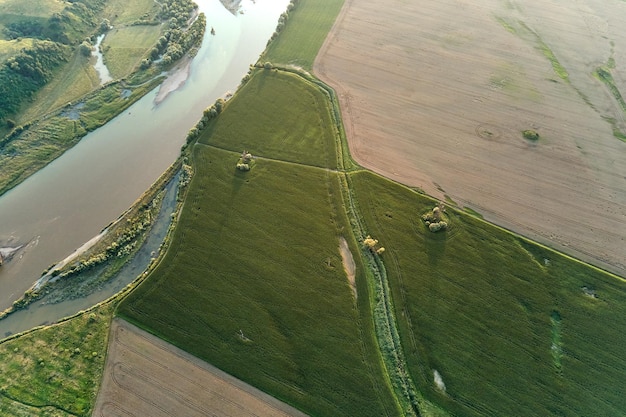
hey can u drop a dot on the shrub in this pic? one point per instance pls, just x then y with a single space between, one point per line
530 134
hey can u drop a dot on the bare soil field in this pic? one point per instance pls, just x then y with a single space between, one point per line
436 94
145 376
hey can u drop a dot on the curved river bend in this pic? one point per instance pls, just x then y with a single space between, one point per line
68 202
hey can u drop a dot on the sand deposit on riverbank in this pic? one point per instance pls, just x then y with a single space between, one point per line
145 376
176 78
436 95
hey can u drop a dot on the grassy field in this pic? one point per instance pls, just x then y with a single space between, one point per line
303 34
281 131
10 48
12 11
76 80
125 47
512 328
55 371
123 12
253 281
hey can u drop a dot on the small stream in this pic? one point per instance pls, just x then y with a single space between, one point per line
101 68
42 312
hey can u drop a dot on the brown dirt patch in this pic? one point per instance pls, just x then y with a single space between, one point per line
435 94
145 376
348 264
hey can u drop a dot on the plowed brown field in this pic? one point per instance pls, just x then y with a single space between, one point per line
435 94
145 376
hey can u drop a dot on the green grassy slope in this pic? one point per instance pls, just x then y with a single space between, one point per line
278 115
506 323
303 34
258 252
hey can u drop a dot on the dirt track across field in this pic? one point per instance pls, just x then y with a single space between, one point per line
145 376
435 94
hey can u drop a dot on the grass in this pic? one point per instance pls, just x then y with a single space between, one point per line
55 371
259 253
11 48
12 11
268 120
123 12
76 80
125 47
504 321
304 33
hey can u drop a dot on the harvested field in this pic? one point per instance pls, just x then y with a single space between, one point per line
436 95
145 376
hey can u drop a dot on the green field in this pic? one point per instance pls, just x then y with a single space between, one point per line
76 80
303 34
55 371
125 47
258 252
123 12
12 11
513 328
281 130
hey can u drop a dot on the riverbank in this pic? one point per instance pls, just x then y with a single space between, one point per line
117 256
34 144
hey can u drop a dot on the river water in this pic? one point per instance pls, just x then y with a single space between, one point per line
71 200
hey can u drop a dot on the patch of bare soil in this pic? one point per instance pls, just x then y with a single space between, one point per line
436 94
145 376
348 264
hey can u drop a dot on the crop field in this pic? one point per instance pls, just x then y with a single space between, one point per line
303 35
511 327
253 281
284 132
55 371
125 47
437 94
146 376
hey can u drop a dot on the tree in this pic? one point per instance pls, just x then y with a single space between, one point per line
85 48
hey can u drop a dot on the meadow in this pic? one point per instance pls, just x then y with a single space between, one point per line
125 47
253 281
512 327
55 371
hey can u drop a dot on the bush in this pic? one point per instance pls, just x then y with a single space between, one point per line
530 134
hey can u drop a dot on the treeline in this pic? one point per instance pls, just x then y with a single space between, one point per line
25 73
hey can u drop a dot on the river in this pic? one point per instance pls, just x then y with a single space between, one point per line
72 199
